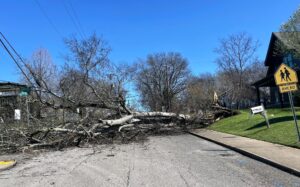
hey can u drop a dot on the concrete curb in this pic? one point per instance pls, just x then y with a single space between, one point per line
2 168
252 155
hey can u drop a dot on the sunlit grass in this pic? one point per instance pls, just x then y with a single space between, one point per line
282 130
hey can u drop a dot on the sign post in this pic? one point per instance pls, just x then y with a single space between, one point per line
24 92
295 116
286 78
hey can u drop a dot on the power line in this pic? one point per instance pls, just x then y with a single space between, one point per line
76 17
21 59
48 18
19 56
15 61
77 27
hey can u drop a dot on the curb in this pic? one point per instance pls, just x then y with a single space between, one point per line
253 156
8 166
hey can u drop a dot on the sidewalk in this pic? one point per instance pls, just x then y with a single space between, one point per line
282 157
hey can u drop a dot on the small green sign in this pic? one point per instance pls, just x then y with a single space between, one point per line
23 94
24 91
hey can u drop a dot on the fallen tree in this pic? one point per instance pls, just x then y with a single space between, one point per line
87 101
135 126
130 127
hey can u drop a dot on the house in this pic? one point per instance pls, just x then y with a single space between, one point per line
12 99
273 61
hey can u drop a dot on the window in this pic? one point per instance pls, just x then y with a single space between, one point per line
288 60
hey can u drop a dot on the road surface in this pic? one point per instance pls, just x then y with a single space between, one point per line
181 160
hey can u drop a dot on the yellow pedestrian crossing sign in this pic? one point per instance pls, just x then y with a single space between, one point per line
285 75
287 80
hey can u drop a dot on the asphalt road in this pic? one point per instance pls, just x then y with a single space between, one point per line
182 160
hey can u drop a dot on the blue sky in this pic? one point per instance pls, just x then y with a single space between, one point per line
135 28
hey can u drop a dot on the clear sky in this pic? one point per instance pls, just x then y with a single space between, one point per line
135 28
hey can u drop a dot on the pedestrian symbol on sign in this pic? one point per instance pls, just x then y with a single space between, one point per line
285 75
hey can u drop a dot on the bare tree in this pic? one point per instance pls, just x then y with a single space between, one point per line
289 41
86 68
200 93
256 71
41 69
160 79
40 74
88 78
293 23
235 54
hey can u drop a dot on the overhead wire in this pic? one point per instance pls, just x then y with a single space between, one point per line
76 25
10 49
48 18
9 44
21 59
76 18
71 12
14 59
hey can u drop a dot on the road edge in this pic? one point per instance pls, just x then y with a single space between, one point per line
252 155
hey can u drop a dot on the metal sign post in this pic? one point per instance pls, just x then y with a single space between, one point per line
294 114
27 108
24 92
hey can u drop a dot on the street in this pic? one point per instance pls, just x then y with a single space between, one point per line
181 160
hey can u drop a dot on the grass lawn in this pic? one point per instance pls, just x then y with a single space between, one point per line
282 130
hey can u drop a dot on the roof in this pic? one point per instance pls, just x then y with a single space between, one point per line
268 81
12 86
2 83
285 38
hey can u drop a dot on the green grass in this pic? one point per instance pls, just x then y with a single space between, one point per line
282 130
